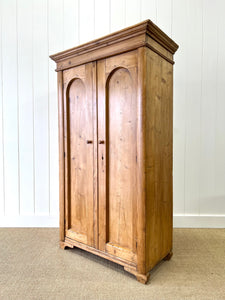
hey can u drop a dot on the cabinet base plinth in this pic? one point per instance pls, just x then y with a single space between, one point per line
64 245
142 278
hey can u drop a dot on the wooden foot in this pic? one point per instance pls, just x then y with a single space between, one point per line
169 255
142 278
64 245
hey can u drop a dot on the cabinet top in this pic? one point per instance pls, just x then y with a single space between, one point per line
142 34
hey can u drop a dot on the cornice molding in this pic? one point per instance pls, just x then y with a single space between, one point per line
144 28
159 36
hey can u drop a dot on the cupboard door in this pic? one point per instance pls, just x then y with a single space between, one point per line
117 154
80 154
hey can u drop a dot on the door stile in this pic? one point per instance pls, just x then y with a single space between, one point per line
66 157
102 139
95 152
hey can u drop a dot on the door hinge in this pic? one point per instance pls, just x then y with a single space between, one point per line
64 154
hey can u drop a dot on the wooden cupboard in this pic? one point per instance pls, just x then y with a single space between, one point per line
115 97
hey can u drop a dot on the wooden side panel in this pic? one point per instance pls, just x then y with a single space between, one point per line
141 182
159 147
79 152
61 158
118 155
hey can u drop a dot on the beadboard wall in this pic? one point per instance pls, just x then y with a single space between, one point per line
32 30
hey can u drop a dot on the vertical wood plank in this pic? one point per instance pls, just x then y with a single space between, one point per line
164 16
219 204
25 96
41 123
2 187
158 168
95 153
179 27
208 198
193 106
61 157
102 17
141 162
133 12
117 15
70 23
10 106
148 10
103 207
87 22
55 44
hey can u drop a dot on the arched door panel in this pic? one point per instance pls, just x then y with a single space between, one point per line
117 120
79 103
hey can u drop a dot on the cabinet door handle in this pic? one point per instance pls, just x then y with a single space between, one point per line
89 142
101 142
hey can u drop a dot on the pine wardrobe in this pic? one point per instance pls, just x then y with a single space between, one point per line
115 97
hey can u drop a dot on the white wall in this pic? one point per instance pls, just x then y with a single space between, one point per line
32 30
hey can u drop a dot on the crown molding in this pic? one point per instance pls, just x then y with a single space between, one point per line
141 29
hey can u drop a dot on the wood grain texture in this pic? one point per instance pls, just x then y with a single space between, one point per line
132 38
159 149
117 114
79 153
19 38
121 159
141 157
118 135
102 204
118 131
142 278
61 158
72 243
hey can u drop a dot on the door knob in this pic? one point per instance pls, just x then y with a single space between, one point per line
101 142
89 142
